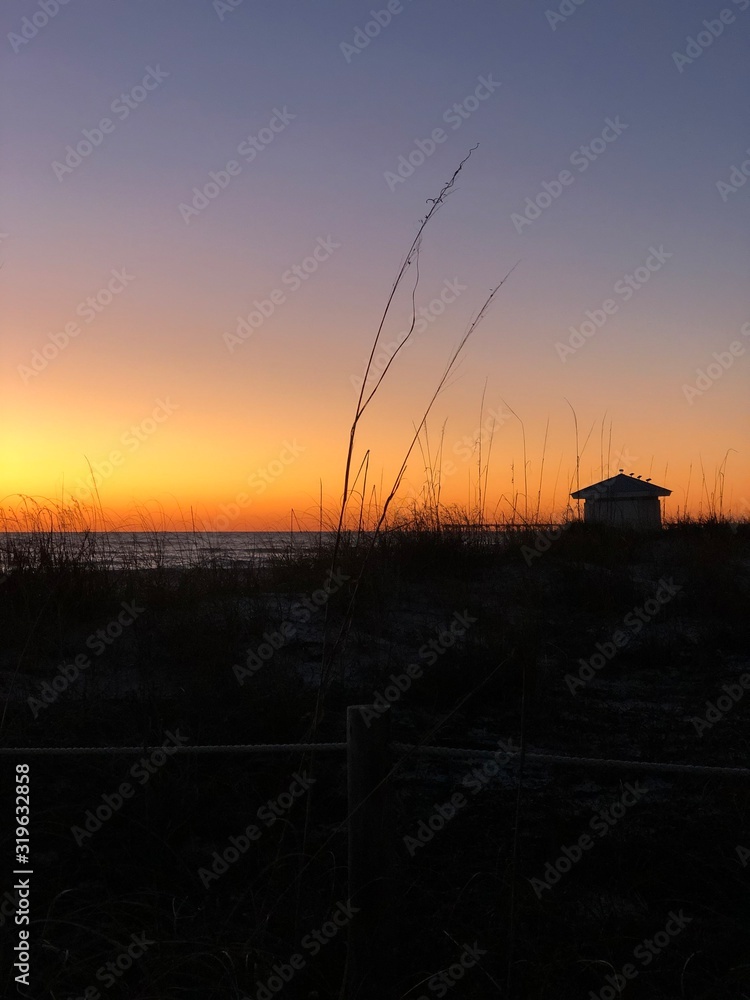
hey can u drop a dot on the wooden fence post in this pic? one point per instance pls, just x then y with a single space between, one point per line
368 764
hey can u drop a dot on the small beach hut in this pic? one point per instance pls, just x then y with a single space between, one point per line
623 502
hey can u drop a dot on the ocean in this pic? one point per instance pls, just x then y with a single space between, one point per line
153 549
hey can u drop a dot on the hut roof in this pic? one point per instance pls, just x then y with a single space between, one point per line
621 487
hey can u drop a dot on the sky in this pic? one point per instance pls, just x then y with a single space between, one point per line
205 206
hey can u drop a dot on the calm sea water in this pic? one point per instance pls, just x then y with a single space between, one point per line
146 549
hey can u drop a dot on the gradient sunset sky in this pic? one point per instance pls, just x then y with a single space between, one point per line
153 371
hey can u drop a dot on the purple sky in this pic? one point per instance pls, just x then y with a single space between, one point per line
183 85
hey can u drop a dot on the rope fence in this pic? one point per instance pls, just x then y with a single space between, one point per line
549 758
219 748
368 763
435 751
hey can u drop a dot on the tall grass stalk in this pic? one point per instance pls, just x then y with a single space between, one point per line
328 655
541 471
412 257
525 465
578 457
343 630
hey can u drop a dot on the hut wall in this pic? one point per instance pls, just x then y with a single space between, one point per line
634 512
